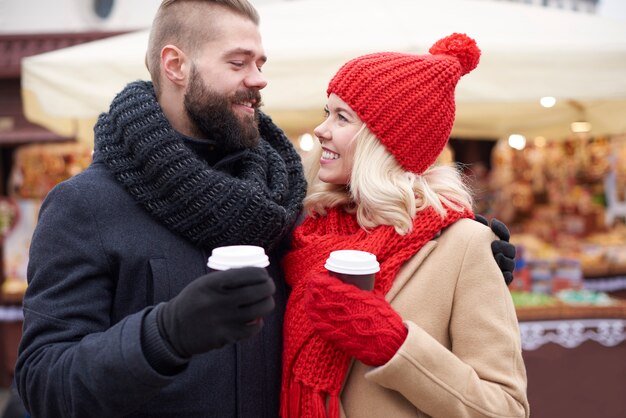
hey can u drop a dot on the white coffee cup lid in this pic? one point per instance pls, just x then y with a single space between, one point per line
236 256
352 262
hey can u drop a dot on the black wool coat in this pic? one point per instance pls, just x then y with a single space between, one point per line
99 264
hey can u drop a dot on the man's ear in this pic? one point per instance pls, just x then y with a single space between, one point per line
175 64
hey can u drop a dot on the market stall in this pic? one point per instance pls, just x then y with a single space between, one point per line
561 200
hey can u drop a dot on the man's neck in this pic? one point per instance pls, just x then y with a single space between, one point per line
174 111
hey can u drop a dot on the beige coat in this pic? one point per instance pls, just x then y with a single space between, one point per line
462 356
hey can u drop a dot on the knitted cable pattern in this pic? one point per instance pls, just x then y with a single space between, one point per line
360 323
257 205
313 368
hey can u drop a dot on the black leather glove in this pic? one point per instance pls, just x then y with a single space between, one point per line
503 250
217 309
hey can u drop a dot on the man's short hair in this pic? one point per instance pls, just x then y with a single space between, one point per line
187 24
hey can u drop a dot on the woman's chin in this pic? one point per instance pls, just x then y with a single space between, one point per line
332 178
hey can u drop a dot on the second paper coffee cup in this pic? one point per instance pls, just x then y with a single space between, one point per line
237 256
354 267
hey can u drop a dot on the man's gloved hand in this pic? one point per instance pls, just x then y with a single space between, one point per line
217 309
503 250
361 323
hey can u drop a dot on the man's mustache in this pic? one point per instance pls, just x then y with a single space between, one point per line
249 95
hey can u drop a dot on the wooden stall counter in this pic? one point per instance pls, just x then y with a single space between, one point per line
575 358
11 320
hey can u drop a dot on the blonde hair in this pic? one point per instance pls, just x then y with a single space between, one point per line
381 192
187 24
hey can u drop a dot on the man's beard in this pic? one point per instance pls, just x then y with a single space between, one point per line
213 117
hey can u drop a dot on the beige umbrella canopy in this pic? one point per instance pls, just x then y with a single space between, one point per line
528 52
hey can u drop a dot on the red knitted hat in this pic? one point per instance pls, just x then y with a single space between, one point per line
407 100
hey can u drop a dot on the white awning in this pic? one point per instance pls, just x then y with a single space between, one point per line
528 52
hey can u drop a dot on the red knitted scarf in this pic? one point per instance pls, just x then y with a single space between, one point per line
313 369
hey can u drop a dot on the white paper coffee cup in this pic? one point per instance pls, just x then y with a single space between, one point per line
355 267
237 256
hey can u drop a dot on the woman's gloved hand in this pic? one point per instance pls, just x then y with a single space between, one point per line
217 309
360 323
503 250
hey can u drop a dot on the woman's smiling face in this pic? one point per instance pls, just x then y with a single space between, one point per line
336 135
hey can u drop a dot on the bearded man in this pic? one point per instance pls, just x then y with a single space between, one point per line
122 317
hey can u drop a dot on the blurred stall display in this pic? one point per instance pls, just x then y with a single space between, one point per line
9 214
614 189
15 254
565 203
540 276
39 167
596 255
568 275
9 220
556 189
567 304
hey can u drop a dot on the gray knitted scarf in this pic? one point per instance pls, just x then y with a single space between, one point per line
257 205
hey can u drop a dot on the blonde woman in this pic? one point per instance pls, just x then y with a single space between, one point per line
438 335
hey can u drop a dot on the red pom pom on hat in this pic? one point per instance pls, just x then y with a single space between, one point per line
460 46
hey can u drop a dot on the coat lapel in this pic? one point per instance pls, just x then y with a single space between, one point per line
408 270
